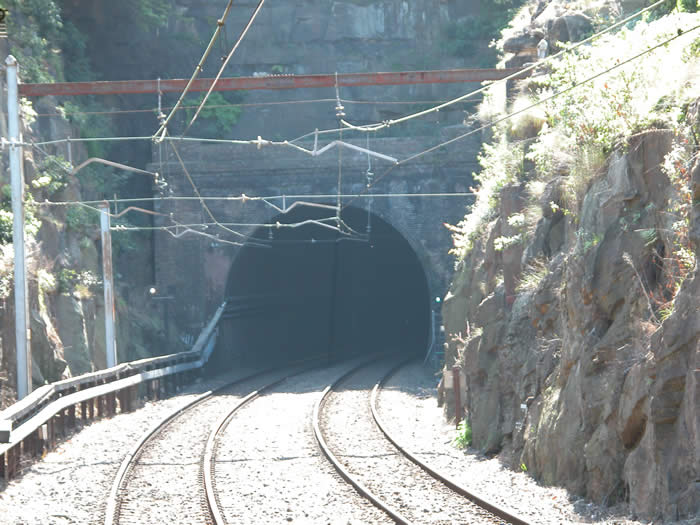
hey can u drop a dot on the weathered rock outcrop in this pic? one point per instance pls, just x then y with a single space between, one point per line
578 379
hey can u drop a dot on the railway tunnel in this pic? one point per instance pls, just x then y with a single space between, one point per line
317 293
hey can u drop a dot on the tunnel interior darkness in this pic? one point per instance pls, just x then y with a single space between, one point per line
330 297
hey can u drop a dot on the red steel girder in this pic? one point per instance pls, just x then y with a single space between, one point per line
119 87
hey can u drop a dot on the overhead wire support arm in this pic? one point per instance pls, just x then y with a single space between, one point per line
343 144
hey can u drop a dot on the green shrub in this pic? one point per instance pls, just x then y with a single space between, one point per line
31 223
690 6
5 226
217 117
81 283
80 219
52 174
464 435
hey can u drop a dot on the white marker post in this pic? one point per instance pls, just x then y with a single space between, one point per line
108 284
22 333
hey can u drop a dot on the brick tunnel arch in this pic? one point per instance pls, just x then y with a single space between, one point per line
315 294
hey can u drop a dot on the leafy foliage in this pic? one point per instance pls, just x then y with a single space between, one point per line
6 270
689 6
501 163
52 174
217 117
82 283
31 223
585 122
33 27
147 14
80 219
464 435
677 260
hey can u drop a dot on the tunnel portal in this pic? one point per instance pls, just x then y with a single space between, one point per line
316 293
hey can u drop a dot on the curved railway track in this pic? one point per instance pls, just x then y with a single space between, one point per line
347 427
470 494
163 472
407 490
272 474
213 501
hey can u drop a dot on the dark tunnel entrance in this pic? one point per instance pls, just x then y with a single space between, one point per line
316 294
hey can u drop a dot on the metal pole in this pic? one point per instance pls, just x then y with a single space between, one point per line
458 397
22 334
108 281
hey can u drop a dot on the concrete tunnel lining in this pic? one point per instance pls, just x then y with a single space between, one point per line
333 297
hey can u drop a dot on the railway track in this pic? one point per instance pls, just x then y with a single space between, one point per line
281 476
160 480
260 461
373 461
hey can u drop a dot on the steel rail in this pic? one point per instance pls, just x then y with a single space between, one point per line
112 510
345 473
208 462
479 500
209 457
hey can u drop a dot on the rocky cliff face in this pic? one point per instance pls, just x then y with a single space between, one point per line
62 242
581 343
575 379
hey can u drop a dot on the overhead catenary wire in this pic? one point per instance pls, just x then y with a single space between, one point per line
247 198
619 64
259 142
387 123
392 122
176 225
154 111
208 210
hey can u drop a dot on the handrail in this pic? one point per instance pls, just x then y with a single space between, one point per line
48 400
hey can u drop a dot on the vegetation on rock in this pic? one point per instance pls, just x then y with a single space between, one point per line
587 205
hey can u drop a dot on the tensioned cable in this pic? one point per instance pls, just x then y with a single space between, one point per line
199 196
259 142
527 108
52 158
176 225
381 125
223 66
208 210
276 225
246 105
266 198
200 67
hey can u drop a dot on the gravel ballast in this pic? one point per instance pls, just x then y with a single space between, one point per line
165 484
352 435
409 410
269 468
72 482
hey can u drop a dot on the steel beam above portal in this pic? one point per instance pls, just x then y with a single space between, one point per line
270 82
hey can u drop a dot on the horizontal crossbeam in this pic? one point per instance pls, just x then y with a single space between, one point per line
270 82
